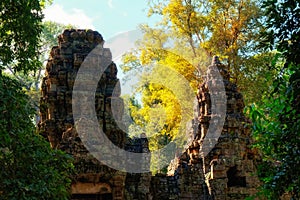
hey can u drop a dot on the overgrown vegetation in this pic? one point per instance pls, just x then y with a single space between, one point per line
30 169
189 34
276 119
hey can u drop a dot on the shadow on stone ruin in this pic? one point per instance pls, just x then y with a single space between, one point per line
227 172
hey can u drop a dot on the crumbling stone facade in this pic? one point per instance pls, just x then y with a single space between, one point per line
230 167
93 179
227 172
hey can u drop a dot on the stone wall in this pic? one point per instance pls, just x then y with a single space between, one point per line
226 172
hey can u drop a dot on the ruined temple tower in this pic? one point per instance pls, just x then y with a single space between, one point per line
93 180
227 171
230 167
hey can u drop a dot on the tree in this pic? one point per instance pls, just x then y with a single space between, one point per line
201 29
20 25
282 28
30 168
229 29
276 121
189 34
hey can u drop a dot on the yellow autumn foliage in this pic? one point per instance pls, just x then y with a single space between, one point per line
189 34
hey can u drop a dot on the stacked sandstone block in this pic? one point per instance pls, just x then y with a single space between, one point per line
222 166
56 102
57 123
230 166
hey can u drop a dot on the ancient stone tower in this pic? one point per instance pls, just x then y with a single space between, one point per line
93 180
226 172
